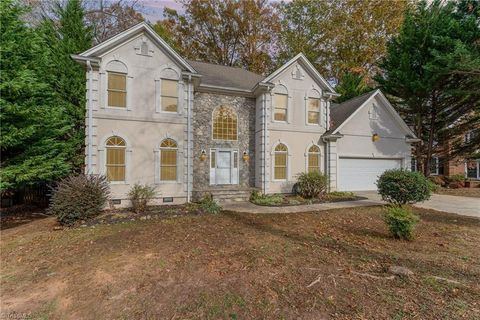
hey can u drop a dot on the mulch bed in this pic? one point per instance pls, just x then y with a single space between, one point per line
291 200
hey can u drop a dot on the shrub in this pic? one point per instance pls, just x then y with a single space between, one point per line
266 199
208 205
438 180
456 181
78 198
399 186
310 184
433 186
140 195
401 222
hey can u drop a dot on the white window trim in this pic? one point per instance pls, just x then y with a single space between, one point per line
478 170
273 162
157 154
320 158
437 167
308 96
103 74
102 155
158 89
213 119
272 103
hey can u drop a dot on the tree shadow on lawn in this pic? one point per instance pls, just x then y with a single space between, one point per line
353 252
19 215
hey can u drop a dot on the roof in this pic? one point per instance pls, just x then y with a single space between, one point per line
339 113
227 77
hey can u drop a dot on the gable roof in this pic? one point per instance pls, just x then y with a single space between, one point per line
343 112
215 75
309 67
139 28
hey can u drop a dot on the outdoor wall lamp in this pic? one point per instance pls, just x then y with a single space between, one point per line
203 155
245 157
375 137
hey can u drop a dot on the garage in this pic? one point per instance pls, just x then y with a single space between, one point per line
360 174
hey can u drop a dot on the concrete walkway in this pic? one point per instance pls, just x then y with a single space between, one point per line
460 205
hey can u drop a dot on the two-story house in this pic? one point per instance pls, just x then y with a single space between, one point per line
191 128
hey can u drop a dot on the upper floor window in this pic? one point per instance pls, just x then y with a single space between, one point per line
169 95
115 162
313 111
224 124
280 107
168 160
314 159
280 162
117 89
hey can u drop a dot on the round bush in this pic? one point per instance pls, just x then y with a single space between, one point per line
401 222
310 184
401 186
78 198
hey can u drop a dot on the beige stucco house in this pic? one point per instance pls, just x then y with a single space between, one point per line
191 128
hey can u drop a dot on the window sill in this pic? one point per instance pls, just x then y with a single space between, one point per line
117 108
118 182
167 182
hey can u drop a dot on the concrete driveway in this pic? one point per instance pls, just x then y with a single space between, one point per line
466 206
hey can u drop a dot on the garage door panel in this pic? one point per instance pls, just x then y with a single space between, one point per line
358 174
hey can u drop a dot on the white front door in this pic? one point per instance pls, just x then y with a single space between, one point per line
223 166
223 172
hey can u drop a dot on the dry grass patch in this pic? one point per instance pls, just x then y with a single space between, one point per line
462 192
244 266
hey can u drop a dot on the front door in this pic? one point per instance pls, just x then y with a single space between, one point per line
223 166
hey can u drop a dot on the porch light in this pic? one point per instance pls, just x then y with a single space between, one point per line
245 157
375 137
203 155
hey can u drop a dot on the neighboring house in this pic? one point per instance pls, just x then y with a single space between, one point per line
192 128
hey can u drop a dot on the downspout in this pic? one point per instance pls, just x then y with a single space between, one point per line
90 119
264 107
189 130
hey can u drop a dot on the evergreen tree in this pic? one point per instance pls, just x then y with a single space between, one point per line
33 125
351 85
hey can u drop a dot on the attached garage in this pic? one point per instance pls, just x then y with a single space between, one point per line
360 174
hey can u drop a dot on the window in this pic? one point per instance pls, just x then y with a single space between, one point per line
313 111
473 169
212 159
116 149
117 89
436 166
168 160
280 166
281 103
169 95
413 165
224 124
314 159
469 136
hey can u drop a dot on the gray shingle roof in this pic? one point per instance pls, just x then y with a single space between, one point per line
223 76
340 112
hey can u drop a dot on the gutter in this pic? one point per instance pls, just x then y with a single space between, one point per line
90 118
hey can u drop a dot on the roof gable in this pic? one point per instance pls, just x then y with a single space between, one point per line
344 112
303 61
124 36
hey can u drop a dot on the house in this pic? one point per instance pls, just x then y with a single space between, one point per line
192 128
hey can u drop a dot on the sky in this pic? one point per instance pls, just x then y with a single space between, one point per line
152 10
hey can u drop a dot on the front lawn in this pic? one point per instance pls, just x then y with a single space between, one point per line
462 192
319 265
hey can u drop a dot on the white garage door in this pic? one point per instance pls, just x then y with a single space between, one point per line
356 174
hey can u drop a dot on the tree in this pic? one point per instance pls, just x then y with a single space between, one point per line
33 124
430 70
351 85
339 36
232 32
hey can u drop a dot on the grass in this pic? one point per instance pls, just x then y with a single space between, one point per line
243 266
293 200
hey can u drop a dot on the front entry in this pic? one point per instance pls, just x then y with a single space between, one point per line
223 166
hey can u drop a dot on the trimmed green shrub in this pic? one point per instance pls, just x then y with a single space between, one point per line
433 186
310 184
208 205
266 199
399 186
454 182
401 222
140 195
79 197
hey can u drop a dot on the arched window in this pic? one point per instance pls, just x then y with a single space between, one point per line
313 112
168 160
116 148
314 159
224 124
117 84
281 158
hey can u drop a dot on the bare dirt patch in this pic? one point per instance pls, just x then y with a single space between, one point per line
462 192
318 265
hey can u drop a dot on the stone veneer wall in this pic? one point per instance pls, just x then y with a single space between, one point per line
204 105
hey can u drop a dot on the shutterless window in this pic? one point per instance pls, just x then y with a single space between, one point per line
313 111
224 124
117 89
280 166
115 159
280 107
168 160
314 159
169 95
